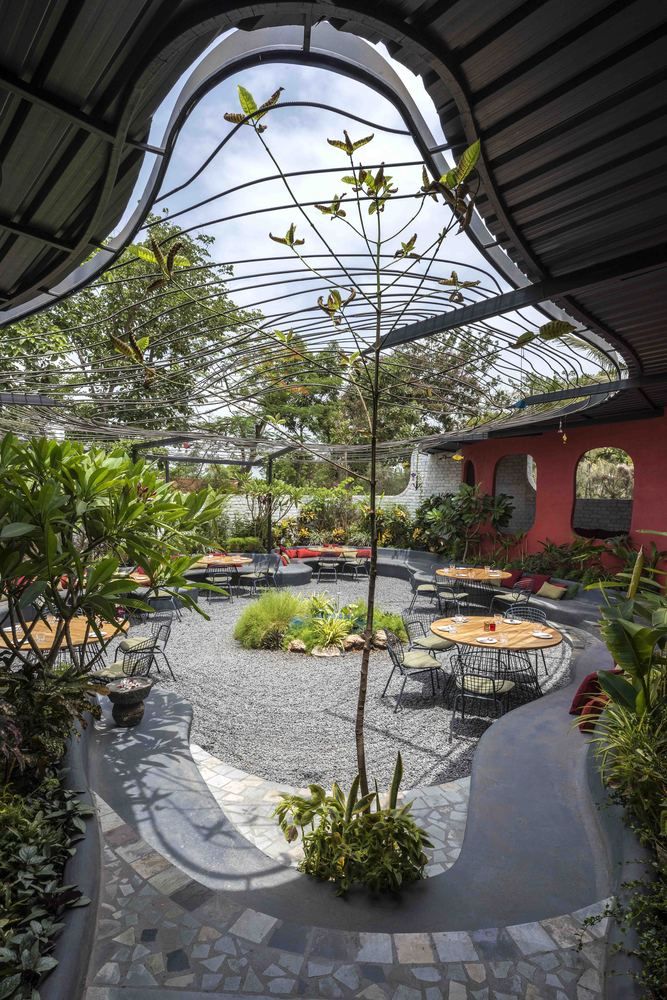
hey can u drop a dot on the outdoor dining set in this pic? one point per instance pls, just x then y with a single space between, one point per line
490 654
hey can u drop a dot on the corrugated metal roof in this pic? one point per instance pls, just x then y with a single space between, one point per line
569 101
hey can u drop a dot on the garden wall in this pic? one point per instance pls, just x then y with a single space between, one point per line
645 441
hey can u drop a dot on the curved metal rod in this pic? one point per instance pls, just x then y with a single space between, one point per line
341 53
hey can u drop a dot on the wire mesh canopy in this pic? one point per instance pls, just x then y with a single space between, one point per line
296 244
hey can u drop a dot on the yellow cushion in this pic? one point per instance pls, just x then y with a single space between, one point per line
433 642
511 595
426 588
110 670
552 591
128 644
416 660
485 685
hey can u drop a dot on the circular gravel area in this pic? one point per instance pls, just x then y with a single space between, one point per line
290 718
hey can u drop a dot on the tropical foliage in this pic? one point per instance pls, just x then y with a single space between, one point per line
454 523
353 839
631 746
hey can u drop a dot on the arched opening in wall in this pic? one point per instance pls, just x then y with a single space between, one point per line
603 496
516 477
469 473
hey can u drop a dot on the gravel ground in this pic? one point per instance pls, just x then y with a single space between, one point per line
290 718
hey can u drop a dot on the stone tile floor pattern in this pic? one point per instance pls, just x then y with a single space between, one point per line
160 934
248 801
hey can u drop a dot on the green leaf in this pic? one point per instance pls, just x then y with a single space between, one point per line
143 342
16 530
554 329
467 162
396 782
618 689
362 142
247 101
9 986
524 339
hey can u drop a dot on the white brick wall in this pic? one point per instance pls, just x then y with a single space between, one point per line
612 515
512 478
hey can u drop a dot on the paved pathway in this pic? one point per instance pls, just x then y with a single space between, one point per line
162 934
249 801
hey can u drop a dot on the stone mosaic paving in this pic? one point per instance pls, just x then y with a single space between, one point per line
162 934
248 801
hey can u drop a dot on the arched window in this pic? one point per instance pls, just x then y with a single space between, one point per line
516 476
469 473
603 496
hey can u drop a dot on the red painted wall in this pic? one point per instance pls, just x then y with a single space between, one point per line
645 442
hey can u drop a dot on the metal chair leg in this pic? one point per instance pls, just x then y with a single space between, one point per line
388 680
400 696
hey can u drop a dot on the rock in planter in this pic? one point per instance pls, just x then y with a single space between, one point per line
380 639
326 651
353 642
296 646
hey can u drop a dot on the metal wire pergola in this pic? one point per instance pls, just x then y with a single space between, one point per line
233 313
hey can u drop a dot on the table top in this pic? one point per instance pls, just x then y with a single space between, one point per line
509 636
228 560
473 573
44 632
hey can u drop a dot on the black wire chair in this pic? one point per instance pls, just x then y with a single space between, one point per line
421 590
327 568
220 576
480 677
518 595
413 665
136 662
479 595
526 612
449 596
160 631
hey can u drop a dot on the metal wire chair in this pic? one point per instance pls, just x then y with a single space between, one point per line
479 594
526 612
421 589
480 677
220 576
520 594
160 626
327 567
411 665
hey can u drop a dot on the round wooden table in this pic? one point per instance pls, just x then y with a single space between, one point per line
224 561
508 636
474 573
43 633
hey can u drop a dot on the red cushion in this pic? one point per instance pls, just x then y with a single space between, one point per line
292 553
306 554
537 579
524 583
591 712
363 553
510 580
589 688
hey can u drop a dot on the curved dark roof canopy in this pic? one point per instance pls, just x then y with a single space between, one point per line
569 101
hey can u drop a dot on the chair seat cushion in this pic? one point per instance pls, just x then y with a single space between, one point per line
433 642
453 595
113 670
485 685
416 660
127 644
426 588
511 596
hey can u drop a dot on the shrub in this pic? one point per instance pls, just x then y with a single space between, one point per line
355 841
330 631
263 623
244 543
37 834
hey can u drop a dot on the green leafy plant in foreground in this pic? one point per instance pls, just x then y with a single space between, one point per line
353 840
37 834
